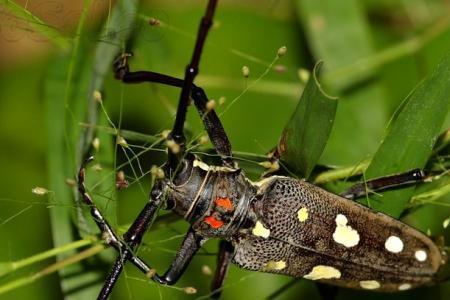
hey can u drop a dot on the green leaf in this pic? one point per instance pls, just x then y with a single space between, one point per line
306 134
69 95
338 34
411 135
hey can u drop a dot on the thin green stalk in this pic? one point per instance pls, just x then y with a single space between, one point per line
51 269
15 265
430 196
37 24
341 173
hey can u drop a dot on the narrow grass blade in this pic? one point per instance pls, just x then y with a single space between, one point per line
306 134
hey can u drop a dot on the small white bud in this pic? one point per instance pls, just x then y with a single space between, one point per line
303 74
245 71
157 172
97 167
97 96
154 22
190 290
70 182
206 270
202 140
173 146
210 105
96 144
282 51
122 142
40 191
165 133
446 223
270 165
222 100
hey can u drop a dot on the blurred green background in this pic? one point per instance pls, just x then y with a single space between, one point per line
374 54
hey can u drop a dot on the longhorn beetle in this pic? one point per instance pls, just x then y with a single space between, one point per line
280 224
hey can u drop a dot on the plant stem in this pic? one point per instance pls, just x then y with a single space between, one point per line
52 268
15 265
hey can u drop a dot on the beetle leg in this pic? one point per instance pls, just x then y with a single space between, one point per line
132 237
226 251
191 244
384 183
211 121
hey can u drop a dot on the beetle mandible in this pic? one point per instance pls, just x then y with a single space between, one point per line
280 224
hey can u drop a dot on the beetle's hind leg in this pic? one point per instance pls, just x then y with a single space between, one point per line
384 183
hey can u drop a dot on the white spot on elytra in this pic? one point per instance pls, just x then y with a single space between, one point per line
369 284
302 214
394 244
323 272
421 255
260 230
404 287
345 234
276 265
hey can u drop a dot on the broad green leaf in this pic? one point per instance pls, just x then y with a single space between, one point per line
69 94
411 135
306 134
337 33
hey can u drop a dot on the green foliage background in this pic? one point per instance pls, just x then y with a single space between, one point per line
375 54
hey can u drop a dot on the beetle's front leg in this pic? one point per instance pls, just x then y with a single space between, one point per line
191 244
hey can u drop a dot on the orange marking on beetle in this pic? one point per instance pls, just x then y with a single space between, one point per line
213 222
224 203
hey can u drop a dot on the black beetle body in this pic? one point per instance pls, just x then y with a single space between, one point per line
288 226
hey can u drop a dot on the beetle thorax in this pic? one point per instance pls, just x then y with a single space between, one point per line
213 199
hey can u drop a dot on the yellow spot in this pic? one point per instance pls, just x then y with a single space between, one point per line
260 230
369 284
394 244
345 234
276 265
302 214
421 255
404 287
323 272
